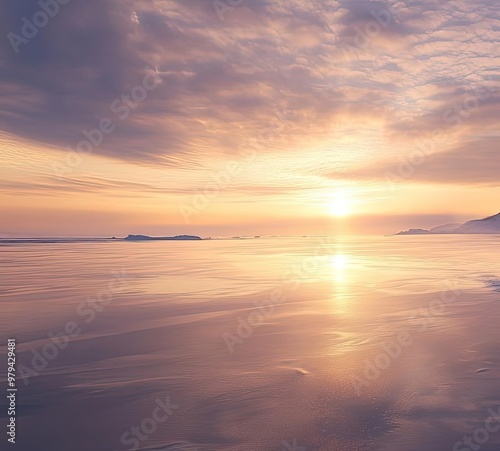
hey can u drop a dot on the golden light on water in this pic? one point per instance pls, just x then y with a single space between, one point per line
339 271
339 267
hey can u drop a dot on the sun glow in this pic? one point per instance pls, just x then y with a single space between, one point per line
339 205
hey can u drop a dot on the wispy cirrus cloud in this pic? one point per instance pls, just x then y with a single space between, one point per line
392 64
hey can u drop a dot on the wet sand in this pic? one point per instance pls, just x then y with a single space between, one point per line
271 344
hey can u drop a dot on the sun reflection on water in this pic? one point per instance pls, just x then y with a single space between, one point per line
339 267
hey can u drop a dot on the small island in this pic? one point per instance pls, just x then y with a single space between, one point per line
162 238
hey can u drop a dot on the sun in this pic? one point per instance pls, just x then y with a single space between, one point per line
339 206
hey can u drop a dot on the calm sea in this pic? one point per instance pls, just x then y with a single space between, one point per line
318 343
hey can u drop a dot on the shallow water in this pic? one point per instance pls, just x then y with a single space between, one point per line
347 343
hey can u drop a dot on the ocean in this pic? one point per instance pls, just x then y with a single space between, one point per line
284 343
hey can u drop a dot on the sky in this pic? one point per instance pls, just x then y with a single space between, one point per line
247 117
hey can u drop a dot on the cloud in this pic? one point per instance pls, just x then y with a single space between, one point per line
52 186
474 162
222 81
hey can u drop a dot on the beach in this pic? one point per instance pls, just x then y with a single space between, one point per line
313 343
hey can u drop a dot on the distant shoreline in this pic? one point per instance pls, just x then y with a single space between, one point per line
485 226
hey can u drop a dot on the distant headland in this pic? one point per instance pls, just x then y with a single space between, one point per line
489 225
